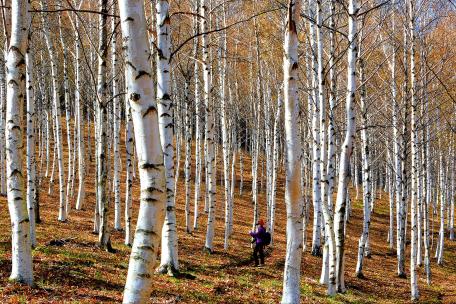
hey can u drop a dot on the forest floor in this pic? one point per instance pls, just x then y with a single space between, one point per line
70 268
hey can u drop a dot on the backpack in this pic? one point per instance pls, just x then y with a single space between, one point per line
266 238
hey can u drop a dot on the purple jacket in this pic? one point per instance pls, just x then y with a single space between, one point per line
259 235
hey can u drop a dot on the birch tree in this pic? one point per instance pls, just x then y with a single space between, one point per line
21 254
169 257
101 131
347 146
31 142
148 149
293 198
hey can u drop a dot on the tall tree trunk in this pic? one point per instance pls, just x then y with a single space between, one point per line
198 121
366 165
415 164
31 143
210 130
316 234
80 119
3 55
102 142
149 153
347 146
169 257
225 135
275 164
21 254
129 168
293 197
188 154
116 126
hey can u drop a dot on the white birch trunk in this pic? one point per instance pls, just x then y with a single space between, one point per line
169 257
225 135
2 120
366 171
21 255
414 150
188 156
293 197
116 127
275 164
66 95
198 123
316 232
149 154
328 275
347 147
104 237
31 143
129 178
80 119
210 130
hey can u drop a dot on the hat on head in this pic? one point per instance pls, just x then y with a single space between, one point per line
261 222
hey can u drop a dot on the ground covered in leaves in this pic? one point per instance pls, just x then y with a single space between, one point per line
69 268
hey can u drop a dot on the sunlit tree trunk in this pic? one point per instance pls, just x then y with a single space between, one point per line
129 178
101 130
188 155
293 198
225 135
149 153
316 235
169 258
2 119
415 165
198 121
31 143
80 119
210 130
328 275
366 168
402 208
116 126
347 146
21 254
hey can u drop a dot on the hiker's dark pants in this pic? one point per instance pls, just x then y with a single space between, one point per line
259 248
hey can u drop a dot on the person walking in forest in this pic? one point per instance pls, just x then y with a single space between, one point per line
259 238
